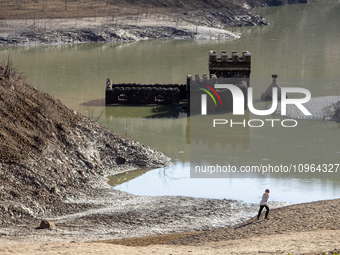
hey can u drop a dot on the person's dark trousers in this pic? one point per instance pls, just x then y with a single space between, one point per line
260 211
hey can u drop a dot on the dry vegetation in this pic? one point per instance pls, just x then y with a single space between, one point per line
39 9
42 9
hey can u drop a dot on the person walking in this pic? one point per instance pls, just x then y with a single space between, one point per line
264 203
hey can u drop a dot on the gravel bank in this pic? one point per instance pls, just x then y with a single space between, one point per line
321 108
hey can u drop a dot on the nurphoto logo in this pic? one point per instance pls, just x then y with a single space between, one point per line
239 103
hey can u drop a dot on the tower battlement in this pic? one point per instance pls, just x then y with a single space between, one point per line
246 57
234 66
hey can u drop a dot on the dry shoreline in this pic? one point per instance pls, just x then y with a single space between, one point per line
207 24
103 30
308 228
307 243
122 215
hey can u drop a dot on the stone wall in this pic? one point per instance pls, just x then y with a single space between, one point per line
132 93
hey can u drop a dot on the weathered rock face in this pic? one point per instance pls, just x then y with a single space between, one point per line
49 153
332 112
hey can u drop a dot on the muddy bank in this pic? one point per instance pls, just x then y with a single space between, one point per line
122 215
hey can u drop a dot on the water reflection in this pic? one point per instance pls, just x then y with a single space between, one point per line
125 177
143 111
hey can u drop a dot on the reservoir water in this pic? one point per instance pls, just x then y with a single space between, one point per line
302 43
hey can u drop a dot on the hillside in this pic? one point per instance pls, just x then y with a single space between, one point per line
42 9
56 22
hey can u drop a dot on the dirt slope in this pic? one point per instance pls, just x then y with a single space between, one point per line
42 9
49 153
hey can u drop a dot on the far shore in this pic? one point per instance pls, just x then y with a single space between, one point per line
56 23
104 30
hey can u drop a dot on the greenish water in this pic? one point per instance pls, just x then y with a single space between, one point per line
303 41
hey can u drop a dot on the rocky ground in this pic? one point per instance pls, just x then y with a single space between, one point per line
321 108
117 215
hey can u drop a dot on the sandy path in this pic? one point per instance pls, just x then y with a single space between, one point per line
294 243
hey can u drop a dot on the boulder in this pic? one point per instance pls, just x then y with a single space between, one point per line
47 224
